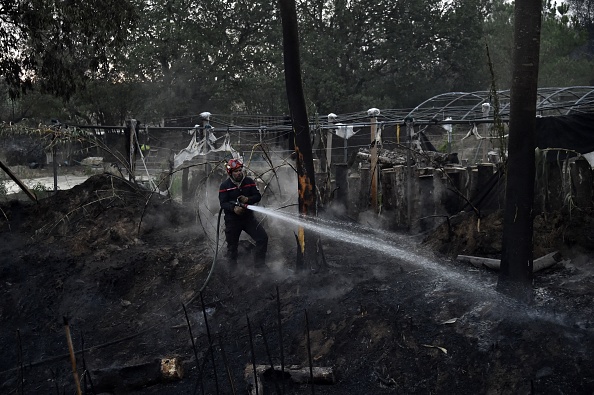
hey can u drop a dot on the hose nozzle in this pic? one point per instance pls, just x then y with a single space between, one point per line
239 204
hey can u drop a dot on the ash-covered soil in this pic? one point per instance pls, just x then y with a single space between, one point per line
387 314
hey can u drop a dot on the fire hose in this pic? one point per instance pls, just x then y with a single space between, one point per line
214 260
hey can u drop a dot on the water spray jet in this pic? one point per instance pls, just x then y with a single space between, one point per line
369 238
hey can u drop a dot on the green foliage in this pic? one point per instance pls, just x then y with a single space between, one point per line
30 109
126 100
582 12
205 55
185 57
498 126
40 190
39 187
388 53
59 44
564 58
498 37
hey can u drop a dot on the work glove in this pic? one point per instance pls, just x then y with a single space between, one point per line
238 210
243 199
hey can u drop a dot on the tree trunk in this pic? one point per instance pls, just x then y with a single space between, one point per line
306 254
515 277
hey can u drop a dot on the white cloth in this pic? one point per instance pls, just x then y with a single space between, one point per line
344 131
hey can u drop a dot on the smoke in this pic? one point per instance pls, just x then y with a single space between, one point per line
277 184
370 219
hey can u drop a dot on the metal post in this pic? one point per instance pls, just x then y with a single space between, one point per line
133 139
328 150
206 128
55 164
374 167
486 107
409 132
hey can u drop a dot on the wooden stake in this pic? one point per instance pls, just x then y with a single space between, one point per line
210 343
253 353
72 357
280 338
373 166
18 182
311 379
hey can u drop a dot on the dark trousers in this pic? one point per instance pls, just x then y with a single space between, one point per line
255 230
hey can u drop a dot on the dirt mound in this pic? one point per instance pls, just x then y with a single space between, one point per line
126 268
104 210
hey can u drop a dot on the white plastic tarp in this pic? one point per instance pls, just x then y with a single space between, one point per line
344 131
202 147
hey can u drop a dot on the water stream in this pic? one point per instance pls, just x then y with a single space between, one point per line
369 238
399 247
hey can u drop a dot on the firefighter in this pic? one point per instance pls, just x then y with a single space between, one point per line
234 193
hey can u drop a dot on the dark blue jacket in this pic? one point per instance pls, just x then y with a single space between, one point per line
229 192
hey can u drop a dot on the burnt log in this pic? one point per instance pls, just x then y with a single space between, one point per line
541 263
295 374
133 377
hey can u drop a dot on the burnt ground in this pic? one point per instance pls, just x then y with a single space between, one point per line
388 313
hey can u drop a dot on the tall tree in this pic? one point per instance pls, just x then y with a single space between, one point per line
565 59
306 253
516 258
59 44
207 55
188 56
498 35
32 108
389 53
583 11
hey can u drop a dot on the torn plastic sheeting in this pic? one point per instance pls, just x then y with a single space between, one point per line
344 131
197 148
